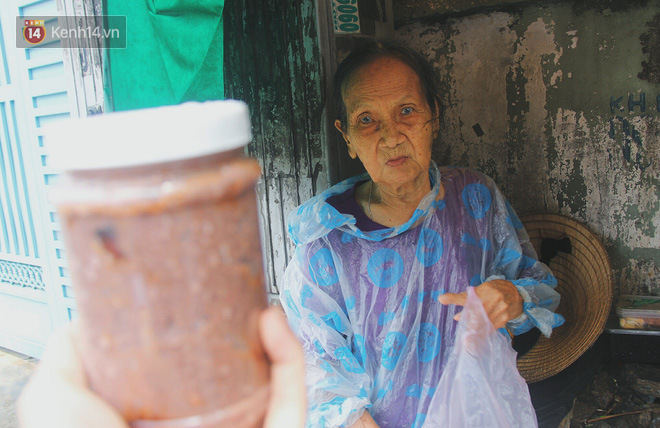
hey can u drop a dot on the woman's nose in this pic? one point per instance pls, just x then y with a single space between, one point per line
390 133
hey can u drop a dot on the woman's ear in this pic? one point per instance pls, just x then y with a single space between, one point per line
351 151
436 121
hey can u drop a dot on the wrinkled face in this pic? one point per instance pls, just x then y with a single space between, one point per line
389 123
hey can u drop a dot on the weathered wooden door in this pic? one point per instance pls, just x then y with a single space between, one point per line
273 62
37 87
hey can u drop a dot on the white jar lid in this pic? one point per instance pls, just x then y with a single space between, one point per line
148 136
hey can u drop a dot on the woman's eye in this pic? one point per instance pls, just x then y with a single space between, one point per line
365 120
406 111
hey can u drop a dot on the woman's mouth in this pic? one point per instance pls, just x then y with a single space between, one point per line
397 161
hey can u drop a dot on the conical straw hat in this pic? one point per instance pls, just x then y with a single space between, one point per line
584 281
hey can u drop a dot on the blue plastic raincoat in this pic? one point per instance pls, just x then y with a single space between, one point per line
365 304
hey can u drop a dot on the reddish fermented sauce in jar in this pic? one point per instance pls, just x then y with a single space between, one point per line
167 270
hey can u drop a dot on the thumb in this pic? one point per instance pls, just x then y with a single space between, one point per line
287 405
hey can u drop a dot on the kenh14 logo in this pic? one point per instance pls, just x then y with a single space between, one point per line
34 31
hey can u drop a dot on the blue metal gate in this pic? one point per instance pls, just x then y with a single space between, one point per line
35 89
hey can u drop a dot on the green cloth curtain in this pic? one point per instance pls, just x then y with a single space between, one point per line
174 53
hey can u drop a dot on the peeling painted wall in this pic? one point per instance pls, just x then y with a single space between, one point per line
560 104
409 10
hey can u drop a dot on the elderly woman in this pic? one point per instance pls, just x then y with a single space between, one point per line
383 260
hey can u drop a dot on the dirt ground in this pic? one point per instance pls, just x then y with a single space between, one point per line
15 370
620 396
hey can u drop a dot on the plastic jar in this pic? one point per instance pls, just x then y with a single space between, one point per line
159 215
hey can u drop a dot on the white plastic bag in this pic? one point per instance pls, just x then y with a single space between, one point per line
480 385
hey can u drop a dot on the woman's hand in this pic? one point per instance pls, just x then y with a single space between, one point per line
58 395
365 421
500 298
